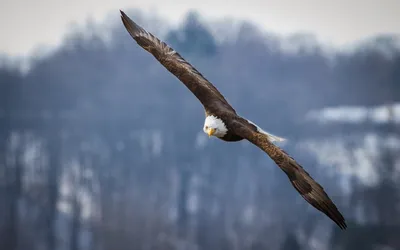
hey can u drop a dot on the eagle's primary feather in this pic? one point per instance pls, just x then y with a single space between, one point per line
227 125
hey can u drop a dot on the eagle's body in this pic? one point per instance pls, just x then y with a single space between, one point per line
223 122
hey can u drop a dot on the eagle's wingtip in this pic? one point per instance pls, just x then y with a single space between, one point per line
341 222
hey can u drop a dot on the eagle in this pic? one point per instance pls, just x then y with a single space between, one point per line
222 121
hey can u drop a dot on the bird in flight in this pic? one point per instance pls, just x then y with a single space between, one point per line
223 122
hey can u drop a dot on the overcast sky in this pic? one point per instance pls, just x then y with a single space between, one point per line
26 23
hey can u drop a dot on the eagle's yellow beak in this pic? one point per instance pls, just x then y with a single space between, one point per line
210 132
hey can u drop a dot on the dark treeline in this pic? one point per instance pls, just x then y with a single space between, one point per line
101 148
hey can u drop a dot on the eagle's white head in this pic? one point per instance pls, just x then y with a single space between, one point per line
214 126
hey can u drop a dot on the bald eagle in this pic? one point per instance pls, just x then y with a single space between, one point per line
223 122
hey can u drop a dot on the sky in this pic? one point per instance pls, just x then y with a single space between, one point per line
25 24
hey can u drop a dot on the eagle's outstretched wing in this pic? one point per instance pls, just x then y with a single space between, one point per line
311 191
176 64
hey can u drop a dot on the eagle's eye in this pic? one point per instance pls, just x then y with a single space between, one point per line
206 127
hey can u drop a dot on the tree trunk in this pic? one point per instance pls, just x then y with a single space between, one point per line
54 147
76 223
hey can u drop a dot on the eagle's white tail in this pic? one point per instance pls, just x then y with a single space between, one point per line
271 137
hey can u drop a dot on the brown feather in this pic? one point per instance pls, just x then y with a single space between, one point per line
205 91
308 188
214 102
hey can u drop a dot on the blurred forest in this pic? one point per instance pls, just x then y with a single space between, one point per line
101 148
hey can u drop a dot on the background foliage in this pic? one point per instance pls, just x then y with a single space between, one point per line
102 148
